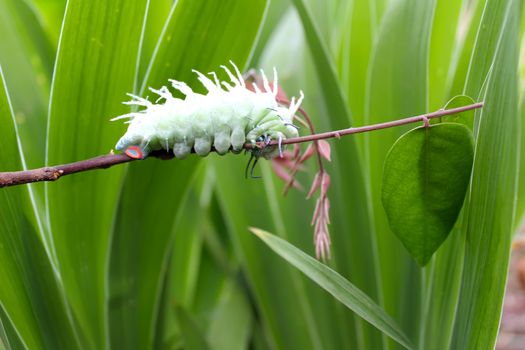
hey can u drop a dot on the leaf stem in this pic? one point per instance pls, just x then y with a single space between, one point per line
53 173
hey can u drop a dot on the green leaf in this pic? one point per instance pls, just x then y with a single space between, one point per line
397 87
231 322
9 339
425 179
193 337
488 218
50 16
460 69
187 42
95 67
357 247
445 22
466 118
335 284
158 12
289 314
27 58
33 310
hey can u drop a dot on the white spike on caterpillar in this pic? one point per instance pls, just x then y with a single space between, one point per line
227 117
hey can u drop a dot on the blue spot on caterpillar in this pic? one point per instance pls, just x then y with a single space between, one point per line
227 117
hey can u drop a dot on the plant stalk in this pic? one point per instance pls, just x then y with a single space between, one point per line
53 173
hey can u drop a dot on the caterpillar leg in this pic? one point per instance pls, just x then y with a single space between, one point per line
222 142
255 159
202 145
181 149
237 140
280 144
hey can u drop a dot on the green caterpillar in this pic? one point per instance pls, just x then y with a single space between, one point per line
226 118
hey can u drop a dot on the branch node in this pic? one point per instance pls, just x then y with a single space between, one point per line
426 122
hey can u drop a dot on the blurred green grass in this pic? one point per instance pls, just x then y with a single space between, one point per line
158 254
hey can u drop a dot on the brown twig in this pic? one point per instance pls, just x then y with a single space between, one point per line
53 173
379 126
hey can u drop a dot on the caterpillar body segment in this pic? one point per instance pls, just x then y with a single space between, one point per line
225 118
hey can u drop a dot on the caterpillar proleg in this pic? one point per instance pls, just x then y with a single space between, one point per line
225 118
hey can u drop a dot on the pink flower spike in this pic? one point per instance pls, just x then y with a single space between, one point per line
327 210
288 155
296 150
322 246
307 154
280 171
325 183
315 185
324 149
292 183
316 211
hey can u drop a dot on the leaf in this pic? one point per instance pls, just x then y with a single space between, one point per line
357 247
50 16
397 86
32 307
336 285
27 58
425 179
231 323
193 337
290 318
95 67
466 118
187 43
158 13
488 219
443 47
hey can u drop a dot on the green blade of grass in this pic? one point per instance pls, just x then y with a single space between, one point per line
470 18
355 245
231 323
9 338
197 35
519 220
444 30
50 14
27 58
95 67
455 24
193 337
397 86
33 306
337 285
204 276
276 10
520 209
490 209
285 312
158 12
359 46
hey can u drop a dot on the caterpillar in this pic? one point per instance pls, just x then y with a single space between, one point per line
227 117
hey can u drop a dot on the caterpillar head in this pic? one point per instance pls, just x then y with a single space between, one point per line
273 128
